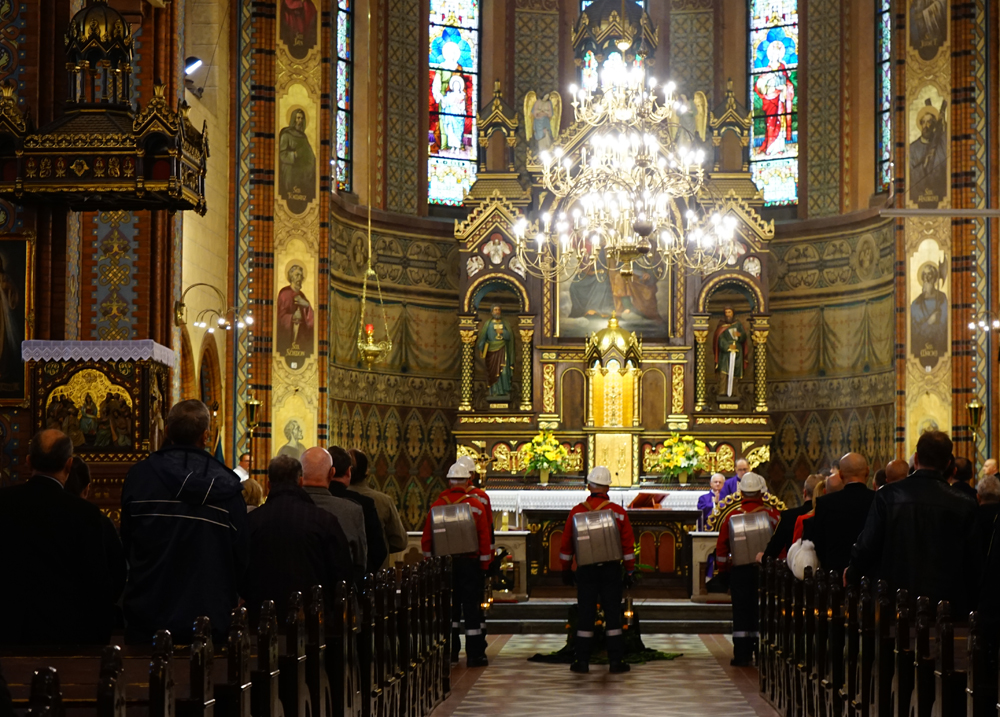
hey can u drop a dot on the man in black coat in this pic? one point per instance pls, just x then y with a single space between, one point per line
840 517
294 544
184 527
63 566
918 534
960 478
339 482
781 540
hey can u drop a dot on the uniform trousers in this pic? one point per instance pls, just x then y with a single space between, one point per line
599 583
466 604
743 583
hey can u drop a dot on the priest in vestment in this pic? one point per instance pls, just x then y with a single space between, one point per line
496 344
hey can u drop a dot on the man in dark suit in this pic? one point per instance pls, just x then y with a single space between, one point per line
781 541
64 568
340 479
960 478
294 544
840 516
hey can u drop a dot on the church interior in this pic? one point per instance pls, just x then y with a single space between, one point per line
660 236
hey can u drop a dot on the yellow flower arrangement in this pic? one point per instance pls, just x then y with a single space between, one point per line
681 454
544 452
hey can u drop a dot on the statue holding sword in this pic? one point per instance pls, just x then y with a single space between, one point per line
730 349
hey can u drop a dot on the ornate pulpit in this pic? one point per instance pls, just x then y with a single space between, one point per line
109 397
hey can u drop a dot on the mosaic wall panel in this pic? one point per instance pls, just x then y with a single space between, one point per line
928 250
114 246
403 107
692 46
824 108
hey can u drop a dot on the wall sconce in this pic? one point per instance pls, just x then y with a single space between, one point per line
212 318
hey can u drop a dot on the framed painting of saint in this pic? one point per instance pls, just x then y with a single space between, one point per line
17 254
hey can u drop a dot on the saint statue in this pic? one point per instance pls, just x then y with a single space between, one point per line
730 351
496 342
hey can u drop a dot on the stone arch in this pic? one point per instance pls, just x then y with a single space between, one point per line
738 283
189 383
482 286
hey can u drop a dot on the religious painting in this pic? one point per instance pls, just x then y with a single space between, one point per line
97 414
543 113
928 300
298 27
928 26
453 69
16 296
928 149
642 303
294 427
296 142
774 133
295 326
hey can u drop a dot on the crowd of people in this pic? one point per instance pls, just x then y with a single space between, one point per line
194 538
926 526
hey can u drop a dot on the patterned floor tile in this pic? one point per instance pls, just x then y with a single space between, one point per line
694 685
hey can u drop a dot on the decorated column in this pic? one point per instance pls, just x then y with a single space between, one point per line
527 329
467 330
699 323
759 327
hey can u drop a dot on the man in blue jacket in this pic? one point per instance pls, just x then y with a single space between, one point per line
184 528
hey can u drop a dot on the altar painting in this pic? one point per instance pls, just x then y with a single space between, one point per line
642 303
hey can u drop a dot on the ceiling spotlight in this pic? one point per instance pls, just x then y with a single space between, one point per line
191 64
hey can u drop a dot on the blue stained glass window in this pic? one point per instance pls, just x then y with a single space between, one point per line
453 98
774 83
883 109
344 88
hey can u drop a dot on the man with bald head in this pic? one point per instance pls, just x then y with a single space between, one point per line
840 516
732 484
316 466
64 568
896 470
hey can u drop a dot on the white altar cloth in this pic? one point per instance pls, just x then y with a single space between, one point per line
518 501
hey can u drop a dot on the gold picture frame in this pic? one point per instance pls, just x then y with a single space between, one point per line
17 313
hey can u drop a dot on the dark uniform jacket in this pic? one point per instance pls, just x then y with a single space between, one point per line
918 536
840 517
781 541
377 550
294 544
184 527
63 567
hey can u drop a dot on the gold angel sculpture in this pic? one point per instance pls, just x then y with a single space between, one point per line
542 116
692 118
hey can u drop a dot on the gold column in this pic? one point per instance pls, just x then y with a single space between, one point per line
636 415
467 330
527 329
590 398
759 327
699 323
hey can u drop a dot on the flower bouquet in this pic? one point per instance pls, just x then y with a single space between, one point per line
544 454
681 456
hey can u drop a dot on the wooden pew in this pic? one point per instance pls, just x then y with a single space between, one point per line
885 651
834 675
370 687
808 672
317 678
949 697
201 698
922 701
265 699
233 695
981 686
785 649
445 626
902 680
293 687
46 697
161 676
864 677
821 643
111 684
852 640
763 644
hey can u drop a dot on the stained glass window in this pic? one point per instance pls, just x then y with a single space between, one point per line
345 85
774 83
453 68
883 110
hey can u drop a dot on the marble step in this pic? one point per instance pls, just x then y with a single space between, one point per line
548 617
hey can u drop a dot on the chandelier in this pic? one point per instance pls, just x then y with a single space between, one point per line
633 195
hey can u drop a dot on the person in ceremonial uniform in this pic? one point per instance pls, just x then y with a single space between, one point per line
601 582
468 571
743 578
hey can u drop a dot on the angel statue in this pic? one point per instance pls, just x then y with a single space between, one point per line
543 115
692 121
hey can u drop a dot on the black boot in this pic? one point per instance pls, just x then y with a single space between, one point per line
582 662
742 652
475 651
456 645
619 667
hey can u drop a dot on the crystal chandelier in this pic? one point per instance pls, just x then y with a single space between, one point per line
634 195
